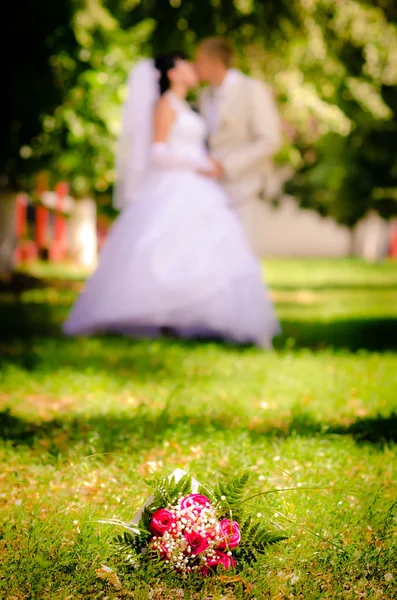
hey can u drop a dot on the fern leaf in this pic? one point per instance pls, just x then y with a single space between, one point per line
229 495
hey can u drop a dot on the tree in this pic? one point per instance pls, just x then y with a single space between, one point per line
332 63
348 167
35 32
77 142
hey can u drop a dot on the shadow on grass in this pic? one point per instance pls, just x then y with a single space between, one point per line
21 282
144 430
26 321
374 334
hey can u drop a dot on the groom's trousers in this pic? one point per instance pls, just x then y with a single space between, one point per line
251 212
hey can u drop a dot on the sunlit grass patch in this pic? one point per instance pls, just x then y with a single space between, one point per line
82 422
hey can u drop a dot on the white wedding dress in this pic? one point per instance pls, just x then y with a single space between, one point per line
177 257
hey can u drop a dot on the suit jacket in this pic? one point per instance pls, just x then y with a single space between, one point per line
247 135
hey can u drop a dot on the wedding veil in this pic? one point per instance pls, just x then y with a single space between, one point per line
134 145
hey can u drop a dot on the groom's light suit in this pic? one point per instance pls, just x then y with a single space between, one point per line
244 135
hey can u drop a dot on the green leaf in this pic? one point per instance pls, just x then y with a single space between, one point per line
229 495
255 540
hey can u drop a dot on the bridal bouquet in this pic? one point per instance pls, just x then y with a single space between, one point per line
189 529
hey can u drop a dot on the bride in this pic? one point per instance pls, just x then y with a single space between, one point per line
176 259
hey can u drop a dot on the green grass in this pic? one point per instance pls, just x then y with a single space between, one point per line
82 422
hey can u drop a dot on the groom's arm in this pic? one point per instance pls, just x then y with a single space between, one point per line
201 100
265 128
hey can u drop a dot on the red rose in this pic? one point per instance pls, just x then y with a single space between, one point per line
220 558
230 532
197 542
195 502
162 521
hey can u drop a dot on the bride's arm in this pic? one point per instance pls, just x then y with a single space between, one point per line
163 156
164 117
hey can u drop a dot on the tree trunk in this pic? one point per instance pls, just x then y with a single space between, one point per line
7 232
353 241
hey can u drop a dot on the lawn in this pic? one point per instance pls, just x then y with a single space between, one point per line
83 422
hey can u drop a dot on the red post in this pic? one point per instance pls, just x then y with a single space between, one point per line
42 219
60 228
25 251
61 190
393 243
42 214
21 213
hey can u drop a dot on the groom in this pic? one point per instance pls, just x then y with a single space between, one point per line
244 131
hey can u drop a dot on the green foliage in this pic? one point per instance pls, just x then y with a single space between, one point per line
255 540
229 495
131 547
28 81
333 67
331 63
344 90
168 490
78 141
133 550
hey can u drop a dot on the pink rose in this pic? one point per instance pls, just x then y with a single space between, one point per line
220 558
230 532
195 502
162 521
197 542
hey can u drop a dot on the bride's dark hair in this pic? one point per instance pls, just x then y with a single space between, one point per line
165 63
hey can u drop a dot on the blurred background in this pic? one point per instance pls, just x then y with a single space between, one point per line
331 63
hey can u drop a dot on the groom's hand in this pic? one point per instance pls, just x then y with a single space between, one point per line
219 173
216 171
